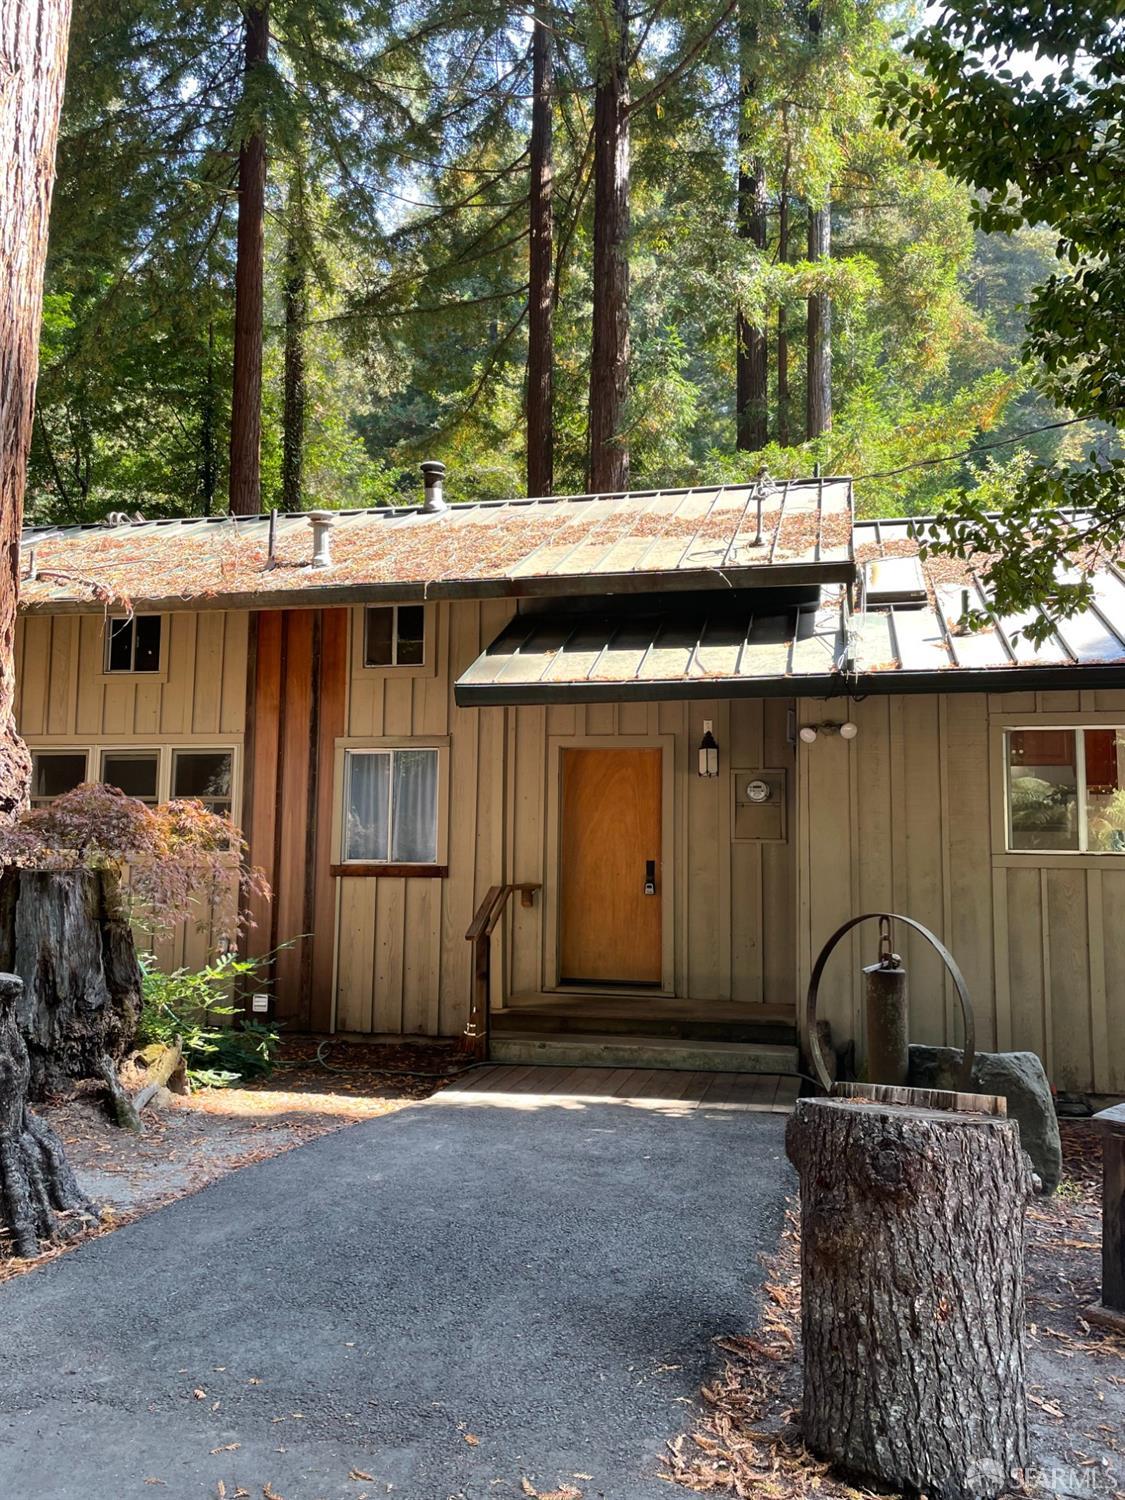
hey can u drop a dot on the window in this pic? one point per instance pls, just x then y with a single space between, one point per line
204 775
394 635
54 772
133 645
1066 790
134 772
390 806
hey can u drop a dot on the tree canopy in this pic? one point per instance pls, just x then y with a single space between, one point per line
781 210
1025 104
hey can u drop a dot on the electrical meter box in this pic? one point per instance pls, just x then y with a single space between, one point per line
760 806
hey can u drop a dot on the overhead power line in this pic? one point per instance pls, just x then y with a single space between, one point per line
948 458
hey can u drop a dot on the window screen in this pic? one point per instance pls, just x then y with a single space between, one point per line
390 806
204 775
54 772
133 772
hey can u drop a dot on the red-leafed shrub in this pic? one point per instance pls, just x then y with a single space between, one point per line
181 857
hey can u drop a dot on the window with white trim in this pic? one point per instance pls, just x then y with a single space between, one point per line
1066 790
54 772
133 644
390 807
394 635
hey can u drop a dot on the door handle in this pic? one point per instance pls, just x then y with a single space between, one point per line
650 877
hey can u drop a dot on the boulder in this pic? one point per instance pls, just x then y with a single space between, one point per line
1017 1077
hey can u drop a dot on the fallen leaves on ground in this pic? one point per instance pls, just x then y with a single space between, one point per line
566 1492
749 1440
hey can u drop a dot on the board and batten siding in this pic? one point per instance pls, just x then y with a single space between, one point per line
64 698
403 964
909 816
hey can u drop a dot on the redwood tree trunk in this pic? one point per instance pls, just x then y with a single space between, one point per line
68 939
246 386
33 44
912 1261
783 396
609 353
752 354
296 317
541 301
818 359
39 1199
818 390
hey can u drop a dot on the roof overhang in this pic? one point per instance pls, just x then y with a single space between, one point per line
730 652
328 595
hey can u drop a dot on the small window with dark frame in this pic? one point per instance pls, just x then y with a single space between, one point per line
134 772
54 772
133 644
394 635
205 776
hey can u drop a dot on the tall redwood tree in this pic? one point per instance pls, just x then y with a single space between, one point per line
752 354
541 298
33 46
609 353
36 1184
249 276
818 345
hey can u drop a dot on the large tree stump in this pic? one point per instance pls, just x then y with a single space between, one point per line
912 1263
40 1200
67 937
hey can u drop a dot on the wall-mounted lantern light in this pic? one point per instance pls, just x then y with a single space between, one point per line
708 751
847 730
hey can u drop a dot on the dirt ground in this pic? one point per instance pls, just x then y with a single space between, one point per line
193 1139
750 1442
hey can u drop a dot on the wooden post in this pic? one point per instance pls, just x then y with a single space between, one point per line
912 1259
1110 1312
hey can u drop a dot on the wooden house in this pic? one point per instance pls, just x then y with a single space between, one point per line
665 743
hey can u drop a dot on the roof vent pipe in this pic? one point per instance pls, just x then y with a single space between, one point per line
322 522
432 475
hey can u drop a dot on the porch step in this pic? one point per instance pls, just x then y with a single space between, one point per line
592 1050
687 1021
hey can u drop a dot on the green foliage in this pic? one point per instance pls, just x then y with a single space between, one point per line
196 1006
1039 149
408 128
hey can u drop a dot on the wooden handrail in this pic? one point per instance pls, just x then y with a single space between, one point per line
481 928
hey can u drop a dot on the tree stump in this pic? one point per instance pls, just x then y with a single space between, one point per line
40 1200
912 1265
67 937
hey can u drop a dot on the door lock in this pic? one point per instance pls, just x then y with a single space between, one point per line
650 877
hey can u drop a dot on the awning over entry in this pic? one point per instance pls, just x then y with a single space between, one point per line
592 658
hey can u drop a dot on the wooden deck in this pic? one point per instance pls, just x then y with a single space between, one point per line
665 1090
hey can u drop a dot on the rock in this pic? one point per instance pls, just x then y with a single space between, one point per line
1017 1077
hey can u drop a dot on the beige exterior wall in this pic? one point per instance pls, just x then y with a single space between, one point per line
910 816
403 963
197 700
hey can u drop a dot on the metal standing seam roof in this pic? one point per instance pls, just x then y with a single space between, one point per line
701 538
821 649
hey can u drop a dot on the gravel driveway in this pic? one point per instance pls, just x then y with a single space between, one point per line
457 1300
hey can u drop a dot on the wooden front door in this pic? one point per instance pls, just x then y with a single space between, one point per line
610 927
